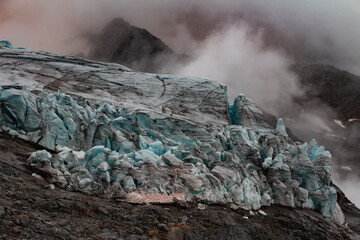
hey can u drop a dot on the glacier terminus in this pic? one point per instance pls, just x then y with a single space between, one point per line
107 129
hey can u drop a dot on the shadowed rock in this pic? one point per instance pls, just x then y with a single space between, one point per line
119 42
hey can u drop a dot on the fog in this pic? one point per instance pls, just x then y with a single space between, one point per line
249 45
326 30
349 185
238 59
243 44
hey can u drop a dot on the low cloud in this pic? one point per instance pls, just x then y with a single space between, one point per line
237 57
349 185
324 30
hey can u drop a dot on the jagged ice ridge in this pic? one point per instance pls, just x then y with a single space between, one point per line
109 129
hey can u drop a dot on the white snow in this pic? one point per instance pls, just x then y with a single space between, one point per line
339 122
261 212
354 120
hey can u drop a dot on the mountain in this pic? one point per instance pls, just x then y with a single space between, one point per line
90 141
337 88
119 42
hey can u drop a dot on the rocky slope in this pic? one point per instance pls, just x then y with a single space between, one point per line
103 129
339 89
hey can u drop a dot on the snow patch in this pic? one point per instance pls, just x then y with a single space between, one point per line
339 122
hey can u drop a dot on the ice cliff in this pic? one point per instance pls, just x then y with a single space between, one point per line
107 129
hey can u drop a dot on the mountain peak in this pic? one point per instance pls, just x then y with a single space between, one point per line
134 47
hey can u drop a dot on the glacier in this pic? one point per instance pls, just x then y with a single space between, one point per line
106 129
5 44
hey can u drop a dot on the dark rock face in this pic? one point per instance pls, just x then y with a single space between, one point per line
29 209
119 42
338 89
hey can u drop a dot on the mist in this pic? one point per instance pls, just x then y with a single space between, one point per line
237 57
248 45
349 185
324 30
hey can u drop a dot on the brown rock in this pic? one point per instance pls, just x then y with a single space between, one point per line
20 219
16 229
